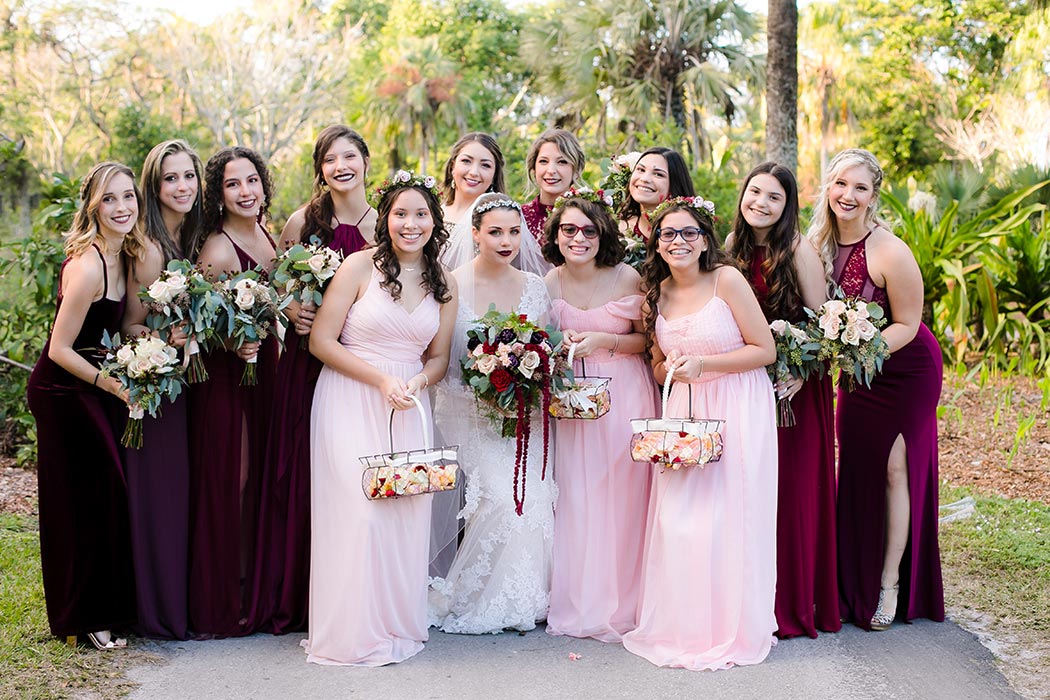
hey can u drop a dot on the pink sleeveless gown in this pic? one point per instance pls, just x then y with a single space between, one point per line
709 569
368 559
599 520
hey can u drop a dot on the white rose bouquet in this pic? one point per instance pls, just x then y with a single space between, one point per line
183 296
303 272
849 337
249 314
616 175
797 356
149 369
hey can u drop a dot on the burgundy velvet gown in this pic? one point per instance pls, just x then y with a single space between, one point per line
807 589
85 553
536 214
281 577
225 419
902 401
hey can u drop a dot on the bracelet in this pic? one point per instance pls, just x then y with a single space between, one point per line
701 372
97 375
426 379
616 344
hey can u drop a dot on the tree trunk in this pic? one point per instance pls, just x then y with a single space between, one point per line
782 84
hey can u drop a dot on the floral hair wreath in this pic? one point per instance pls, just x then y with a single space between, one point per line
586 193
497 203
705 207
406 178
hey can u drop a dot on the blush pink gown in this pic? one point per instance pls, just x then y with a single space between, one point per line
599 519
709 569
368 559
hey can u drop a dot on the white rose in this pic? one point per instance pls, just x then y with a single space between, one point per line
316 263
138 368
779 326
161 292
799 334
487 364
245 299
867 330
125 354
159 358
402 176
429 182
851 335
177 282
629 160
830 324
834 306
479 350
529 362
244 284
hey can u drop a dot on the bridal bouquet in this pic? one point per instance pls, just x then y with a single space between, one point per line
183 296
797 355
616 171
848 333
149 369
635 252
250 314
304 272
512 365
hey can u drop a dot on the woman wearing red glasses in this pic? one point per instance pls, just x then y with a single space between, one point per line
602 496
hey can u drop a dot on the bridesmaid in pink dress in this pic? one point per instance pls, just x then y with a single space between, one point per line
786 274
709 568
599 522
554 162
384 312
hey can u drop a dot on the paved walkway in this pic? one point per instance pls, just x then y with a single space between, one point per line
922 661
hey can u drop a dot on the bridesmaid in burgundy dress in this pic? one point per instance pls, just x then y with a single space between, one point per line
554 163
229 422
889 560
281 579
85 553
158 472
786 273
659 174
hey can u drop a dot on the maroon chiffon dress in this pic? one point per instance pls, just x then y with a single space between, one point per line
85 553
536 214
225 420
807 590
902 401
281 577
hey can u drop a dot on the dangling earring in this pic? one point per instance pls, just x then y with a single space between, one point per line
259 217
477 248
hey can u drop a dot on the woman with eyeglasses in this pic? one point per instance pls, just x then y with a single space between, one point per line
708 575
602 496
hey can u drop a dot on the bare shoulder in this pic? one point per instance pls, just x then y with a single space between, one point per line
804 250
148 268
887 245
729 277
551 280
629 282
293 229
218 256
84 271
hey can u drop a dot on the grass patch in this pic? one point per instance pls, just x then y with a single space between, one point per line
997 582
33 664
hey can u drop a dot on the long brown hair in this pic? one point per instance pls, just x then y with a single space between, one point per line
784 300
491 146
171 243
385 259
655 269
317 219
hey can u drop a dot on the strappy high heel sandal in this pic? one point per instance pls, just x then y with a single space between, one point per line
884 615
112 642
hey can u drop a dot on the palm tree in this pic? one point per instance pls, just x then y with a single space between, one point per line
782 83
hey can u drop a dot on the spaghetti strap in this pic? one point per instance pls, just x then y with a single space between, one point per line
268 237
358 224
105 273
718 273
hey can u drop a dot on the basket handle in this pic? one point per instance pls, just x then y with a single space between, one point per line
667 394
583 362
422 420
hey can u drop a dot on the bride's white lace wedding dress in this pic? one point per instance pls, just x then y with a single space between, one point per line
500 577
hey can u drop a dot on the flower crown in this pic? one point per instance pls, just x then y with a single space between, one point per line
586 193
705 207
497 203
406 178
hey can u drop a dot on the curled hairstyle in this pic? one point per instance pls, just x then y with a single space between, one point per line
679 183
566 142
823 229
491 146
85 230
171 243
655 269
611 248
317 219
214 174
385 257
784 300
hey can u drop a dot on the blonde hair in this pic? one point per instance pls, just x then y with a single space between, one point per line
823 228
566 142
85 230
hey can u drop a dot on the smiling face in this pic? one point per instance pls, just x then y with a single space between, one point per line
473 170
344 167
851 194
410 222
554 172
118 208
680 253
573 242
499 235
242 189
649 183
763 203
179 186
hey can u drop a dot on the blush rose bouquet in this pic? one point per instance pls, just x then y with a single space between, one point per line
303 272
797 356
249 315
848 333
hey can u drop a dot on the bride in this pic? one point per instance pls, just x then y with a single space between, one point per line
500 577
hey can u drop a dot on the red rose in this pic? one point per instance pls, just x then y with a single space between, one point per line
533 347
523 318
488 349
500 379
